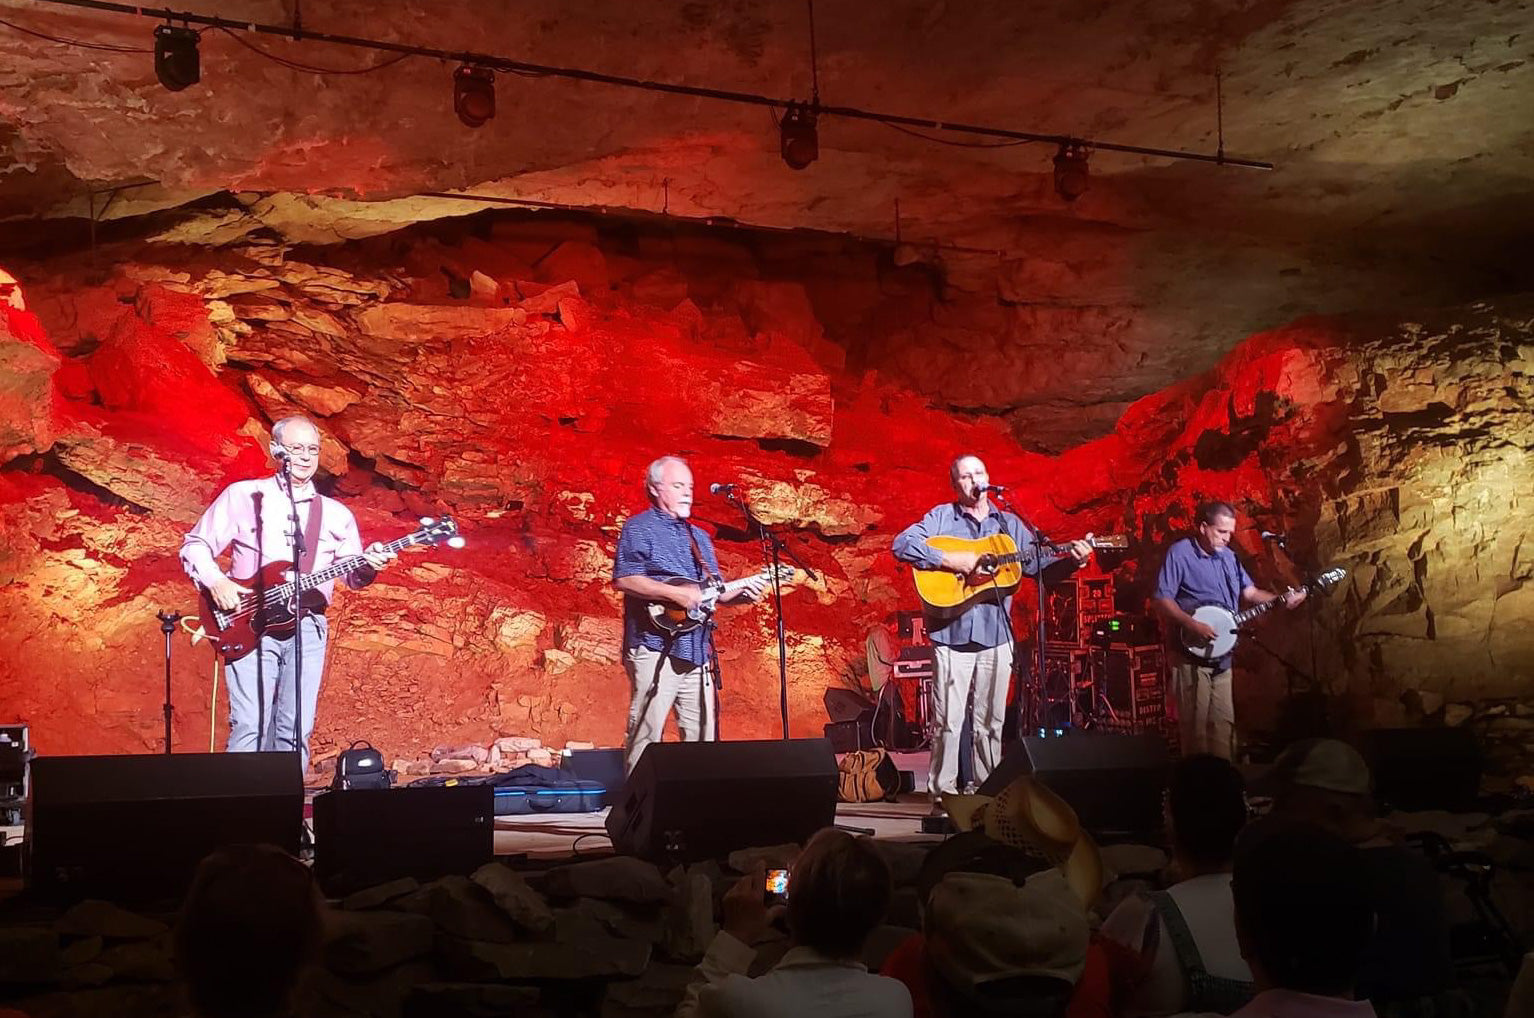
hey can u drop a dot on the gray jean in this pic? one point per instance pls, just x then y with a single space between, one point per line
261 712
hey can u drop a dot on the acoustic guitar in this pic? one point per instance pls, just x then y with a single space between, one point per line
268 607
671 618
998 573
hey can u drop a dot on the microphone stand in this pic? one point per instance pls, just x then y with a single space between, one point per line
773 550
1040 676
168 622
298 613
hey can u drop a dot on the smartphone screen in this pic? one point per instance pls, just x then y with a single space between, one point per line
777 884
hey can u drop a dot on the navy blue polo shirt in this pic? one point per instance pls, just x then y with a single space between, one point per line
654 544
1192 576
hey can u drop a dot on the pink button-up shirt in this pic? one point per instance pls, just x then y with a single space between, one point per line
230 522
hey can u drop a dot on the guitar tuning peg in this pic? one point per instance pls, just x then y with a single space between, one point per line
427 521
456 542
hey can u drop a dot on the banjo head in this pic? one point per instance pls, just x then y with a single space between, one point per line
1223 622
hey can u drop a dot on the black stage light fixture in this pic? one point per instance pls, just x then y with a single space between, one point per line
474 95
799 140
1071 176
176 61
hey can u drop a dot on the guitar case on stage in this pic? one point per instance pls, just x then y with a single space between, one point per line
531 789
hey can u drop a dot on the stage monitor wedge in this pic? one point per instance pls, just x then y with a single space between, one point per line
368 836
1114 782
134 828
687 801
1423 768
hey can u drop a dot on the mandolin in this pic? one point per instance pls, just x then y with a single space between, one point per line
670 618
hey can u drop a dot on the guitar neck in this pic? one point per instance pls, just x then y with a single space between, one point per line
341 567
1256 610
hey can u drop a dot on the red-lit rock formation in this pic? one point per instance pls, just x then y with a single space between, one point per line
522 382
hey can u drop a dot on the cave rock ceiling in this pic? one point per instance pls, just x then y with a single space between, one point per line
1402 132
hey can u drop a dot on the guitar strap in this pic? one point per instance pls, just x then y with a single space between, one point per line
704 572
1231 565
311 535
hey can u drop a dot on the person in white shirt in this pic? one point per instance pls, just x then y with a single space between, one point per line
253 520
1186 935
1304 922
838 892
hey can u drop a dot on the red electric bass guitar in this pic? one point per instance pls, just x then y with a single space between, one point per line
268 608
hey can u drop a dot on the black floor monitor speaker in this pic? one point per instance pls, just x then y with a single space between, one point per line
1114 782
133 828
1423 768
699 800
368 836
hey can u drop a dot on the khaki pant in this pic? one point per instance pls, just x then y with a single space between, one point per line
1206 711
691 691
955 672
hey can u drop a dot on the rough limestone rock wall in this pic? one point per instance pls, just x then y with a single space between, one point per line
521 376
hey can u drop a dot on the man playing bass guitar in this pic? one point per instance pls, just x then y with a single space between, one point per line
973 648
254 518
1200 570
668 668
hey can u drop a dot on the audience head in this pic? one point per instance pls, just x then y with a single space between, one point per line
250 924
991 941
838 892
1324 782
1205 810
1303 913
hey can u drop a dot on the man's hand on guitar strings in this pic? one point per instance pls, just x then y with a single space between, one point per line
226 594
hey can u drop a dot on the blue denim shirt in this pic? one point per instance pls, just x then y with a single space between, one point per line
1192 577
654 544
986 623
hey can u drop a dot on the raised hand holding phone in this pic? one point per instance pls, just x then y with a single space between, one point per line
746 913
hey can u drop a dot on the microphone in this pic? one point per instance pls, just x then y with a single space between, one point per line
279 453
997 488
721 489
1278 539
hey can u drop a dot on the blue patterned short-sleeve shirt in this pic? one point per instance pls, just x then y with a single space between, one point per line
654 544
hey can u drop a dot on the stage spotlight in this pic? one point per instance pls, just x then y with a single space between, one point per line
1071 176
176 62
799 141
474 95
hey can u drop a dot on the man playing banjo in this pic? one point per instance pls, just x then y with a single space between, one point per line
1202 570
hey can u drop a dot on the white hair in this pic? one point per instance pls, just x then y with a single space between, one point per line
653 471
279 426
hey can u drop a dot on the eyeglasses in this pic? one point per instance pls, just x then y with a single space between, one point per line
302 450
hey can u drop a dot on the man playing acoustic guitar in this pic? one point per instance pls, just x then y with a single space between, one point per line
973 646
668 668
1201 570
255 518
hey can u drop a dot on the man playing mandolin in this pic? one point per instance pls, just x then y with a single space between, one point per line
255 518
972 646
1202 570
668 668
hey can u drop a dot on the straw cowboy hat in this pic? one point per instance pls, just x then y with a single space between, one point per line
1028 816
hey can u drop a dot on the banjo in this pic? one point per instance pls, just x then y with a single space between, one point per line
1225 622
